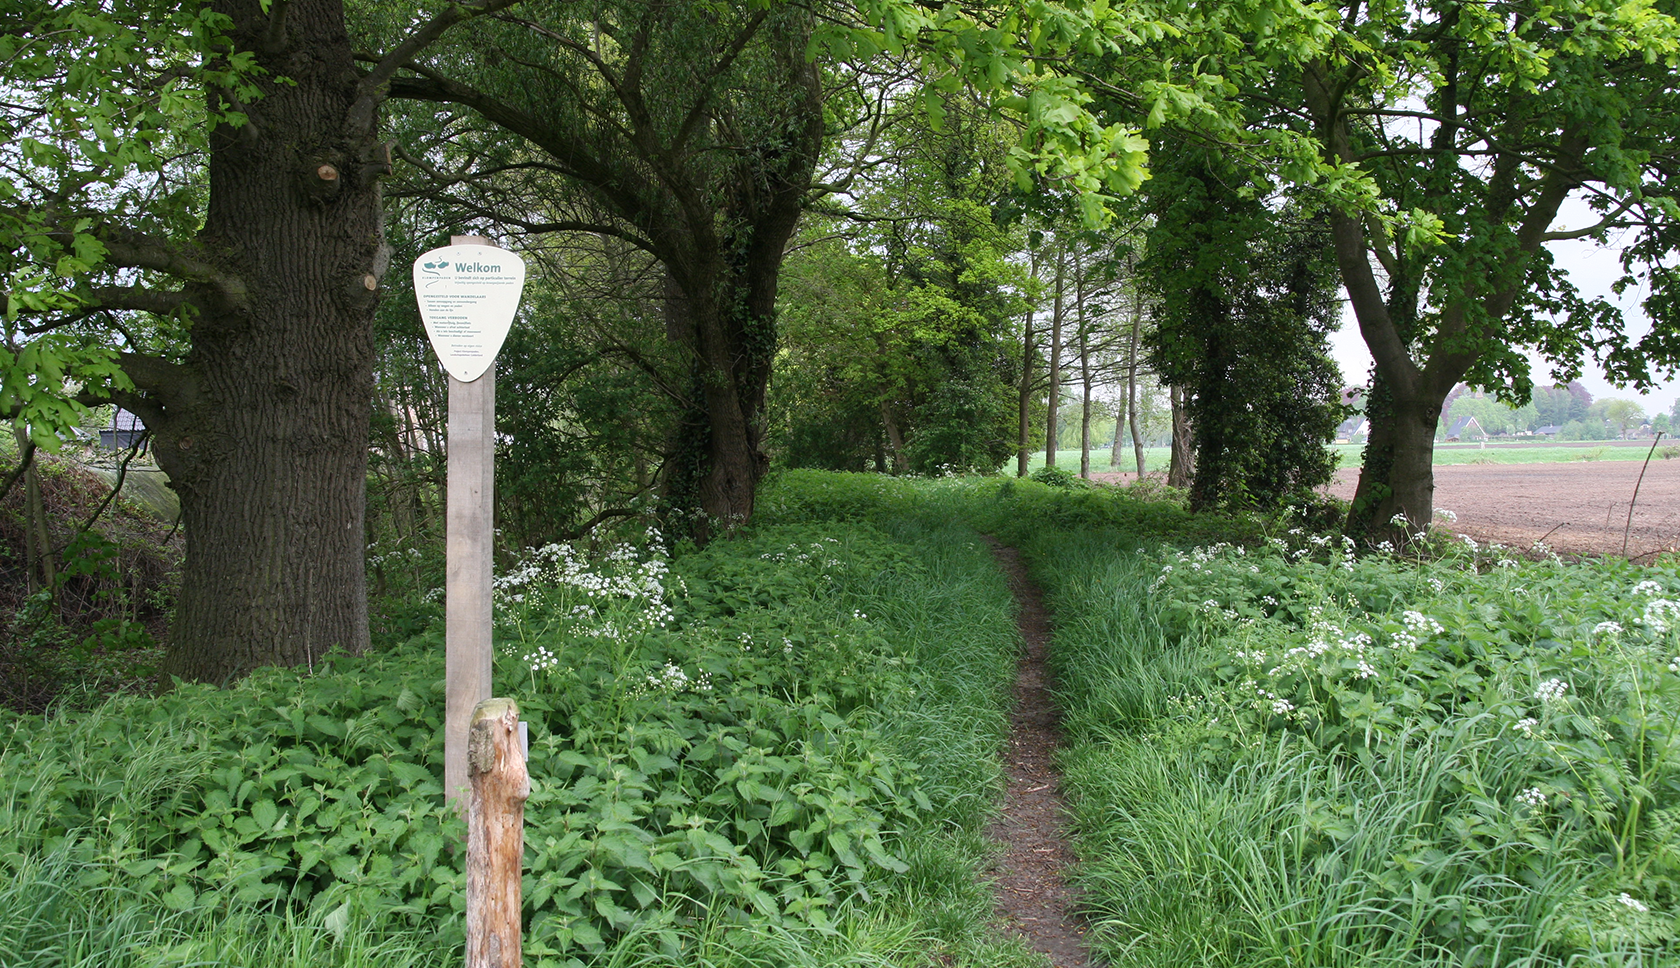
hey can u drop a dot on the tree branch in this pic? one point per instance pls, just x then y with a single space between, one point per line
598 228
274 39
1608 222
58 323
129 249
703 89
371 90
166 385
140 298
28 457
122 475
571 157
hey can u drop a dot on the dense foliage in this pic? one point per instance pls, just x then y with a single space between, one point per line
732 751
1246 302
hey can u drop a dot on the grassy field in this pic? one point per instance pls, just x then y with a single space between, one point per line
1537 453
1155 458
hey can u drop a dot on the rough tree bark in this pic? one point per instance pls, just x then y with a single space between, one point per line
263 427
1181 472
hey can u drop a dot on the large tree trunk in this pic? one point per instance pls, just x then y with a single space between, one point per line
717 459
263 431
1397 475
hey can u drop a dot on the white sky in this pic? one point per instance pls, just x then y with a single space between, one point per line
1593 268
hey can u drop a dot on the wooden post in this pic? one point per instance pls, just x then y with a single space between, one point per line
495 835
468 533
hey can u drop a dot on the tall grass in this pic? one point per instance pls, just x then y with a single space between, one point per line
1434 810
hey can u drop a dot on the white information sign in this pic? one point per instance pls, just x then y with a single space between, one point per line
468 295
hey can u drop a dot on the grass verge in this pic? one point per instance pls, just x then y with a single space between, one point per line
1281 754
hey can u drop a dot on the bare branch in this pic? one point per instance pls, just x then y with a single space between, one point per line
371 90
57 323
116 488
1611 221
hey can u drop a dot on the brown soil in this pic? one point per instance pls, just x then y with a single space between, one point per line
1579 508
1033 899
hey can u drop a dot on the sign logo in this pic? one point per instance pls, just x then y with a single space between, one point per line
430 270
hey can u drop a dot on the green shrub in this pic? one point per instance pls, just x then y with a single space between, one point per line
1056 477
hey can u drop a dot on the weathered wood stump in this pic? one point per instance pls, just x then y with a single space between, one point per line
495 834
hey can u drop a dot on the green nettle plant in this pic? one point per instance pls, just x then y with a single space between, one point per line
698 747
721 773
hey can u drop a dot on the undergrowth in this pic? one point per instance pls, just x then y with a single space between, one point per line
775 751
86 624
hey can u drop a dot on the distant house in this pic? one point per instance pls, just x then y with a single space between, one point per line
1466 428
1350 428
126 430
1550 430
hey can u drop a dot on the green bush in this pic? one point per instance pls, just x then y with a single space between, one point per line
1056 477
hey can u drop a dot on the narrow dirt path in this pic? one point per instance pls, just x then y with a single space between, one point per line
1033 900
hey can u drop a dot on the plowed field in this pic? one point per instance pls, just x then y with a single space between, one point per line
1579 508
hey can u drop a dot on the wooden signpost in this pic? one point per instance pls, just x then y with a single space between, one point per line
468 293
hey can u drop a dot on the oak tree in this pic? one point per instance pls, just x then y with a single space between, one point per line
203 181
